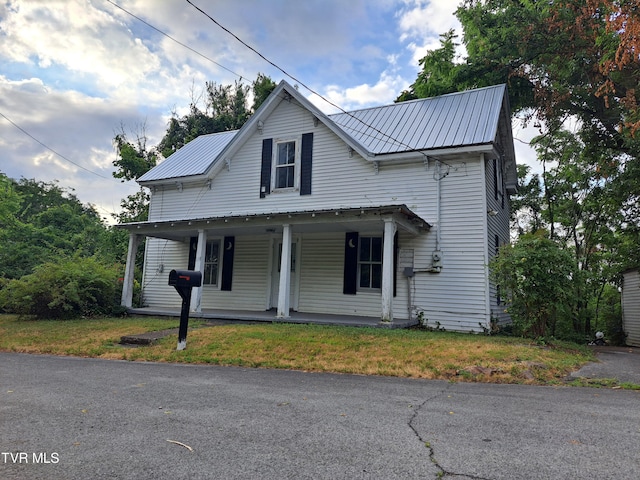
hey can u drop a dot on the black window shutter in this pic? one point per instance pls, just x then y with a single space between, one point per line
350 281
193 248
227 262
265 170
395 264
306 155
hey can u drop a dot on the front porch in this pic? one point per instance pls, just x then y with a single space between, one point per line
271 316
259 263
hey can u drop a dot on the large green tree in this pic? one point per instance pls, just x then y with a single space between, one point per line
41 222
536 273
220 108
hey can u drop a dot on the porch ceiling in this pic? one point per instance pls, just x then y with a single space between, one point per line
308 221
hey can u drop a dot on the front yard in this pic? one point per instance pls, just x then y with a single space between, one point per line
405 353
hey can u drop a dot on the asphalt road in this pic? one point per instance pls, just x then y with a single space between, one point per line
75 418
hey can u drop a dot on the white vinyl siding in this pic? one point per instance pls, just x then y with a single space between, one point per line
497 227
631 307
162 256
321 274
250 272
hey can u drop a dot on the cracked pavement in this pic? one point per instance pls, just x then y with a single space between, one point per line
113 419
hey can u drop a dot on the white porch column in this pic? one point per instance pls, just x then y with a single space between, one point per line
387 270
285 273
201 251
127 284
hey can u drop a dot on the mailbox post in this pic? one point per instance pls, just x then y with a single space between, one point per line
183 281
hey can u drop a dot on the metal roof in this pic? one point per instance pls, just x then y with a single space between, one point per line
457 119
194 158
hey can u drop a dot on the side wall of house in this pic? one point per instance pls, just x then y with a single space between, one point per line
498 213
631 307
455 298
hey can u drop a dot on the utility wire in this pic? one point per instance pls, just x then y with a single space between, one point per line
51 149
309 88
295 79
175 40
267 60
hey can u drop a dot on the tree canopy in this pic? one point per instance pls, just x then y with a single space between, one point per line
41 222
567 58
219 108
223 108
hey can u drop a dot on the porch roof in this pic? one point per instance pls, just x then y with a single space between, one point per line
302 221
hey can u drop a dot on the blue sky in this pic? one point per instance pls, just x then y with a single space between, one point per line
73 73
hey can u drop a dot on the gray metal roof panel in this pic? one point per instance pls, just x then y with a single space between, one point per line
457 119
194 158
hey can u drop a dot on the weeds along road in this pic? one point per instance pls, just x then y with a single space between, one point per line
76 418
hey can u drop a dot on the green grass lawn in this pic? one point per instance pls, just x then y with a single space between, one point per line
413 353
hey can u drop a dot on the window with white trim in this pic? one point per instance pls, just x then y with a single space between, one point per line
212 263
370 263
286 164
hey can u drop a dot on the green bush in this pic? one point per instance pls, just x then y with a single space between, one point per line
536 276
67 288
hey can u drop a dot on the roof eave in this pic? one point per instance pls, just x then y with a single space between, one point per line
186 179
417 154
183 228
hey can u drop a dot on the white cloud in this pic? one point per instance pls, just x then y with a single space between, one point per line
91 43
364 95
421 23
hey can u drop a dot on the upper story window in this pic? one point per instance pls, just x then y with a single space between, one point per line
370 262
286 165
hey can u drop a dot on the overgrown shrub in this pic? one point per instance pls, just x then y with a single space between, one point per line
536 276
66 288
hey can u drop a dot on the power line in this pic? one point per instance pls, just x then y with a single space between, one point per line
295 79
384 134
51 149
263 57
175 40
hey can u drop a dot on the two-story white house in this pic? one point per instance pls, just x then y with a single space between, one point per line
389 213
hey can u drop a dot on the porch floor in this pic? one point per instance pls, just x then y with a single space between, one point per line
270 316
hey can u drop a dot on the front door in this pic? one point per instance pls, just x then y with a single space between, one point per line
275 274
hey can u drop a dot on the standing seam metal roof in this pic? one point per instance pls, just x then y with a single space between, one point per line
457 119
194 158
